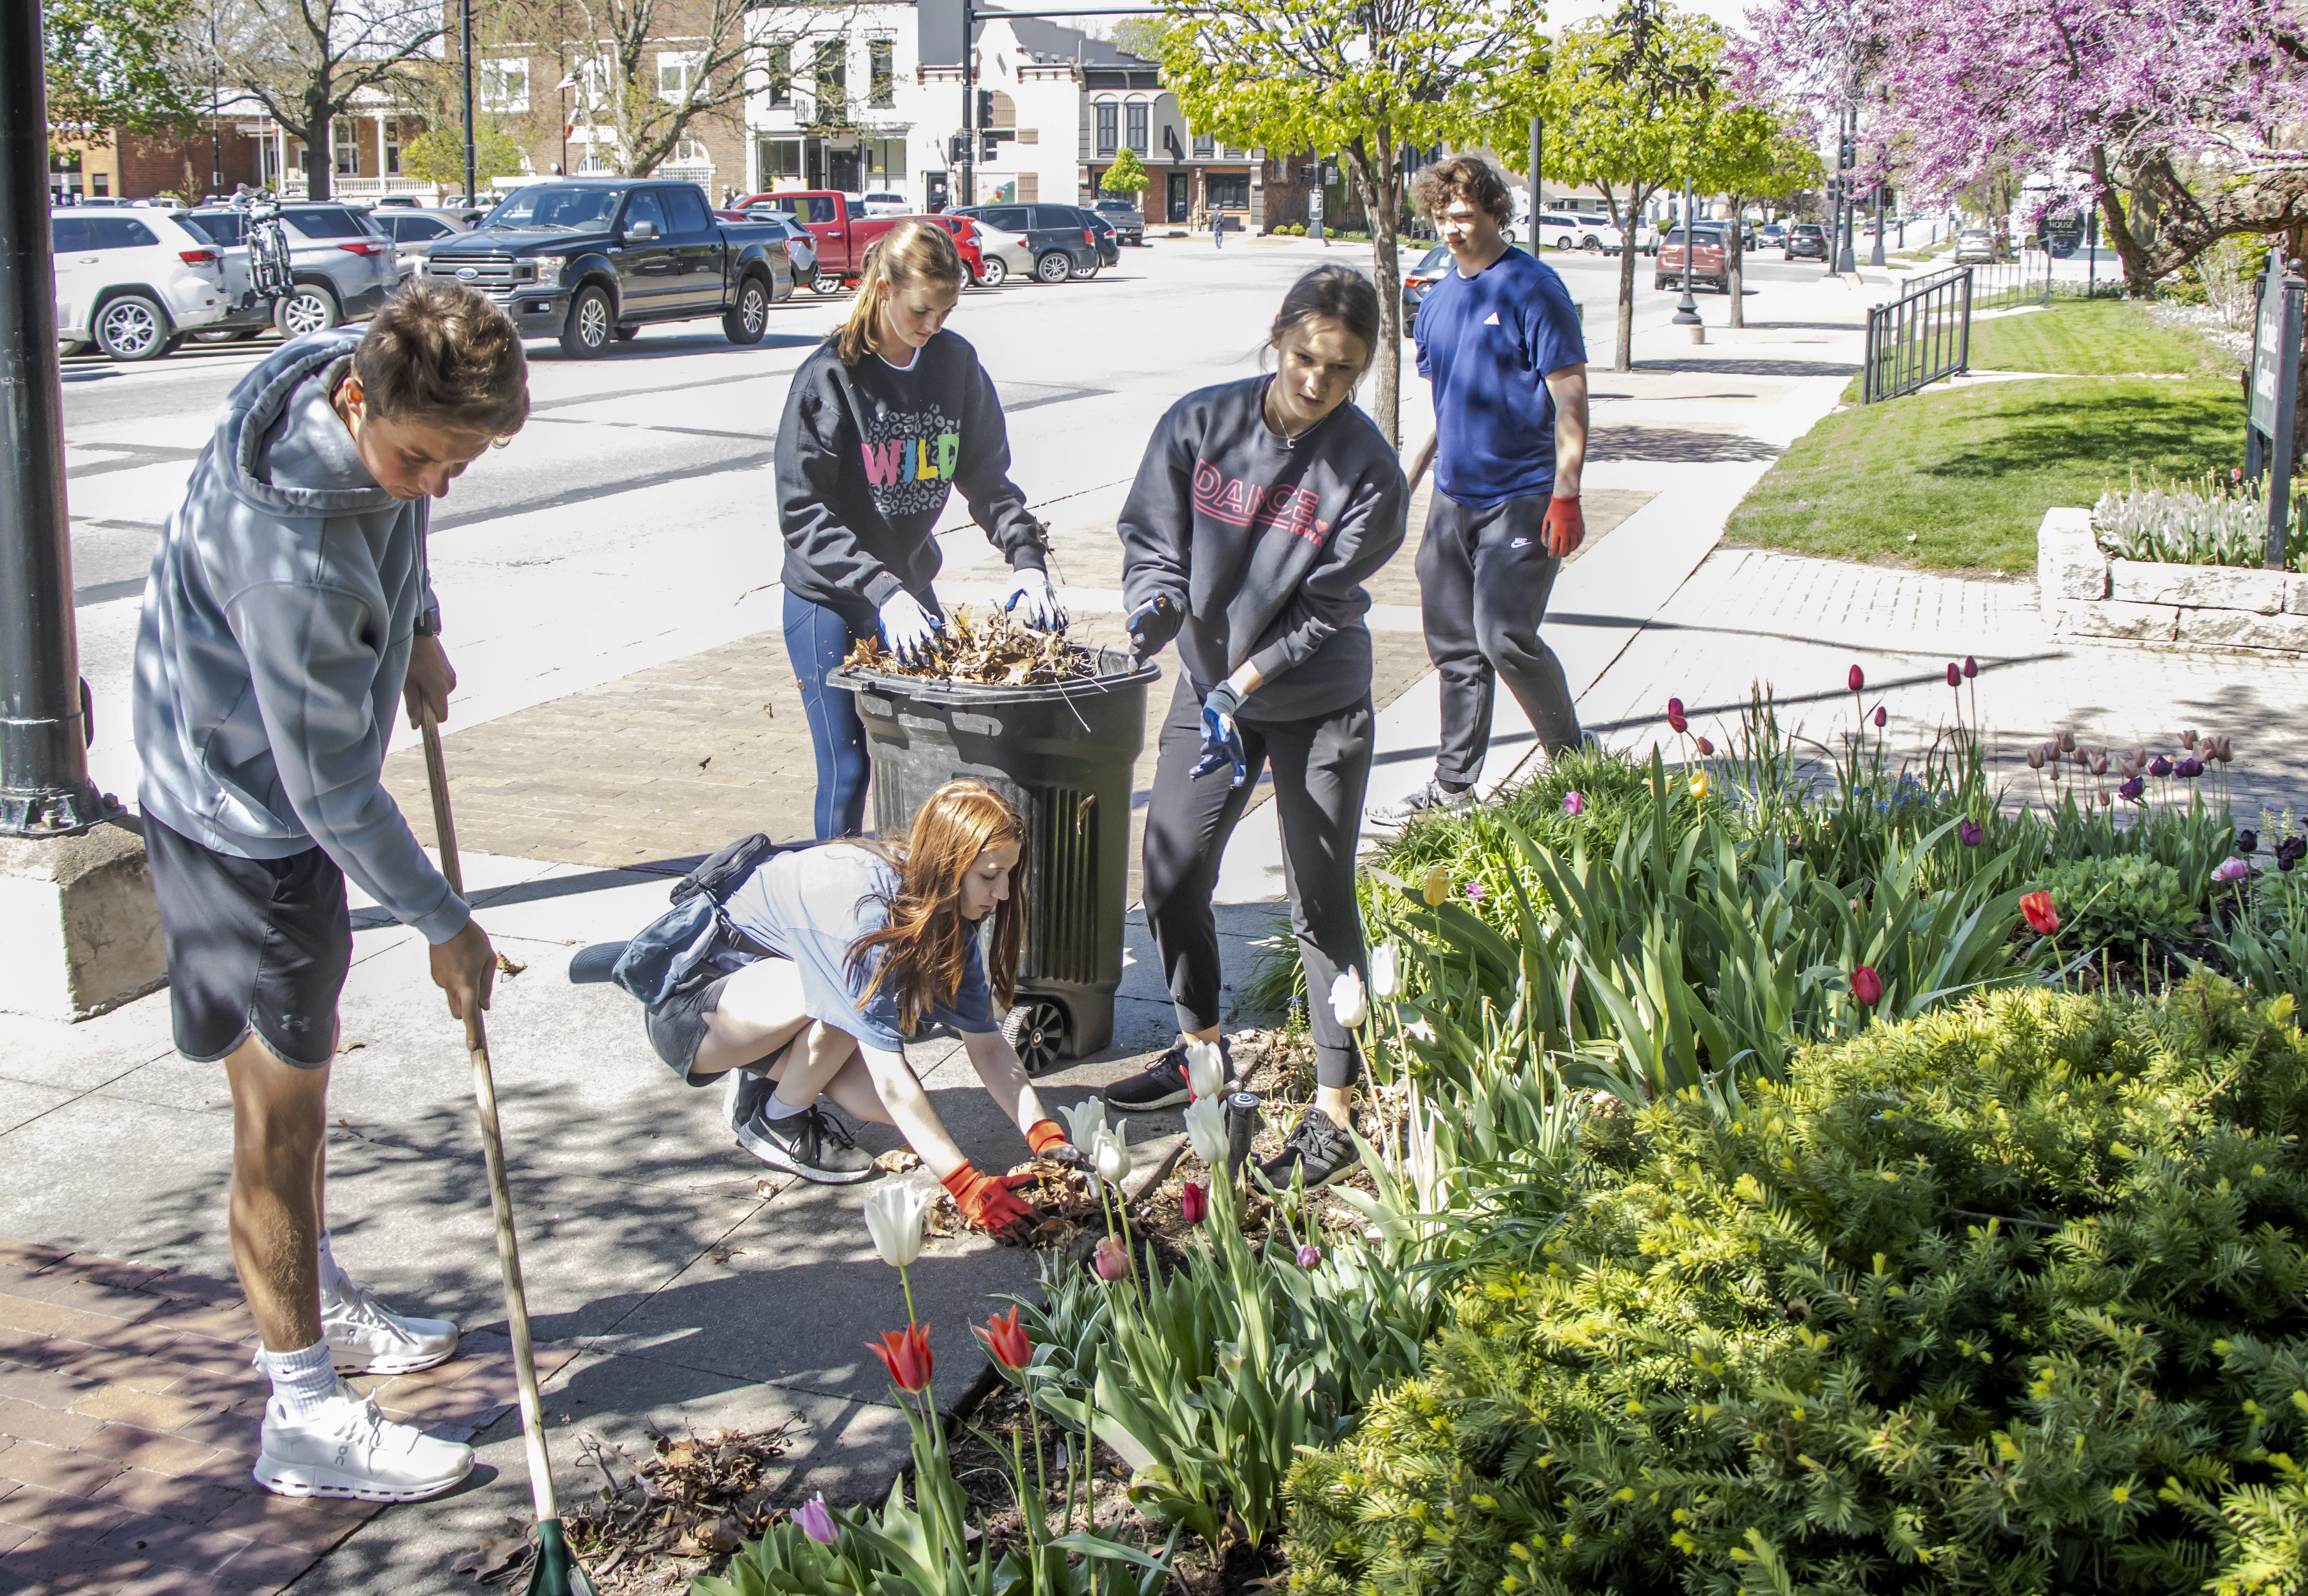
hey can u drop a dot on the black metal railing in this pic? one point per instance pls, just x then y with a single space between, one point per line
1921 337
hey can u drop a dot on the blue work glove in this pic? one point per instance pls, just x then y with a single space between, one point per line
1221 743
907 627
1154 624
1030 589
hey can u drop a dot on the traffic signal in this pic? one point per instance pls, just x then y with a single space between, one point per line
954 147
986 107
992 147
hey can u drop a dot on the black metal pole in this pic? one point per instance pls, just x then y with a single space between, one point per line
1537 154
216 115
471 180
1686 309
968 104
44 785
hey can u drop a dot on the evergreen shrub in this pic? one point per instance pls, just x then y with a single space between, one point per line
2006 1298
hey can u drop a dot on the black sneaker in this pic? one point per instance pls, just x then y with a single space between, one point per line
1319 1147
1163 1083
743 1094
813 1144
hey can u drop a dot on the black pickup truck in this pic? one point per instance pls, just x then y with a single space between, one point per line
590 260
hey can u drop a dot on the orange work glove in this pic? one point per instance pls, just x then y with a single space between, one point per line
1566 527
1049 1140
985 1202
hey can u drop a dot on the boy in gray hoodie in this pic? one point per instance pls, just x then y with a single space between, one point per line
288 609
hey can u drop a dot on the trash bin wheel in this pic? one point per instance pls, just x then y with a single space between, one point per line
1036 1029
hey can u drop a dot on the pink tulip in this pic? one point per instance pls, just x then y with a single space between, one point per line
816 1520
1194 1201
1111 1259
1575 802
1309 1255
1867 985
1881 716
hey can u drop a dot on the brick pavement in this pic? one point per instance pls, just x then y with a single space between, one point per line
128 1425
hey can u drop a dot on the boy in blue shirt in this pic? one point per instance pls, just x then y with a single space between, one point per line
1499 340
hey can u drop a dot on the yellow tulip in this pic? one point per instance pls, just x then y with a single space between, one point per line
1699 785
1438 887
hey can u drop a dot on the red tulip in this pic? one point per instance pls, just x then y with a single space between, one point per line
1705 747
906 1354
1882 715
1011 1346
2037 908
1194 1201
1867 985
1955 673
1859 679
1674 716
1970 667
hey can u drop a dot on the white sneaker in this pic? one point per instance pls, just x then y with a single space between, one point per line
1429 799
349 1449
368 1338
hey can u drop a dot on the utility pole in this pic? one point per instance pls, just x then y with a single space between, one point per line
44 786
216 115
1537 152
472 196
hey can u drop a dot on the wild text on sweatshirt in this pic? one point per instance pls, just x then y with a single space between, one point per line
1266 541
867 456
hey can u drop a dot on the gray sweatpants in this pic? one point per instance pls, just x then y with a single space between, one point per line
1483 577
1322 768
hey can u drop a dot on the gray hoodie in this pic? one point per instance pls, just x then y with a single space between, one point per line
275 642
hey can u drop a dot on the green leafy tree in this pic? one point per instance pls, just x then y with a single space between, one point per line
114 64
1127 176
1754 152
1365 78
437 155
1623 100
1143 37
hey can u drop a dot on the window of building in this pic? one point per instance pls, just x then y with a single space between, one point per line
1205 147
676 76
831 69
781 74
344 140
392 126
1137 125
503 86
100 184
689 152
780 158
1229 191
885 160
881 58
1108 119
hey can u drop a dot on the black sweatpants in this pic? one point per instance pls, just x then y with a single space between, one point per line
1483 577
1322 768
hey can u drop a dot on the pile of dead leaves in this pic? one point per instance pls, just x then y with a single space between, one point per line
993 652
656 1522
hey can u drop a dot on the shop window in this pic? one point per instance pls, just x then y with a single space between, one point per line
1137 122
1229 191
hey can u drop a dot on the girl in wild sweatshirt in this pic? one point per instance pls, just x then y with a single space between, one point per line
881 423
1260 509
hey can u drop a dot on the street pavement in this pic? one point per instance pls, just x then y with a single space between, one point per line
608 586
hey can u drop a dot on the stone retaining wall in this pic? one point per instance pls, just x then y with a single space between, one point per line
2088 593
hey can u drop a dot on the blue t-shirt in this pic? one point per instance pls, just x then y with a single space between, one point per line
810 905
1487 343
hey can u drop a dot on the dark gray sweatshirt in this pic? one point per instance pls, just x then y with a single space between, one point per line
867 456
1267 542
275 640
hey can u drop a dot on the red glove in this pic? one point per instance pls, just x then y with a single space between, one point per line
985 1202
1565 526
1049 1140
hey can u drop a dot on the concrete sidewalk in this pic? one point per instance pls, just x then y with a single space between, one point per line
689 1289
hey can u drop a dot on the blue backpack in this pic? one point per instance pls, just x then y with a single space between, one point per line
681 944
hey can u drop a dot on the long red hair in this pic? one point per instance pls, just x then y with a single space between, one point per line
925 944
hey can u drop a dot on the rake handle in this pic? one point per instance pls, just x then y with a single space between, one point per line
484 1098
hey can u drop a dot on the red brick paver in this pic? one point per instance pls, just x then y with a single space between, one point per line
128 1424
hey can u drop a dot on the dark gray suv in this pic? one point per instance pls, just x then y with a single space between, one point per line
1063 239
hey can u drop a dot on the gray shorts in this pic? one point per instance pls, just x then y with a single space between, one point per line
677 1025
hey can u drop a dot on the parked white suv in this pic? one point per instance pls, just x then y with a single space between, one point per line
131 282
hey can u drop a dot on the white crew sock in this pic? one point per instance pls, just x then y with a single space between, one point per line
333 1278
778 1108
303 1381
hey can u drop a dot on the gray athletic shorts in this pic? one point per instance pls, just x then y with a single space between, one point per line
677 1025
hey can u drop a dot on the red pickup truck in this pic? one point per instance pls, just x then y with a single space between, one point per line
843 230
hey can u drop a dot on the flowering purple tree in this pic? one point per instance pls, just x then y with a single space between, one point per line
2170 116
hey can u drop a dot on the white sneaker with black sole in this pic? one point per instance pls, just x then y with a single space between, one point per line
1163 1083
1429 799
350 1449
813 1144
368 1338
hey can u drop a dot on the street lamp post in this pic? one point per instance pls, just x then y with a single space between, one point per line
44 786
466 23
1875 256
1686 309
1845 259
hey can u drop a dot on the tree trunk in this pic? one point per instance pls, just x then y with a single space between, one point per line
320 154
1624 352
1382 183
1738 259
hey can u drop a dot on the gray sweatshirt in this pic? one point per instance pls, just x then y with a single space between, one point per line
1266 542
275 642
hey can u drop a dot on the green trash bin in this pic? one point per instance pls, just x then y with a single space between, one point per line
1063 754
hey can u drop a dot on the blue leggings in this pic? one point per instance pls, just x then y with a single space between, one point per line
817 640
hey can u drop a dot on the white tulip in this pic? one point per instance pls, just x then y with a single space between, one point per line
1205 1069
1206 1127
1085 1121
1112 1152
1386 971
1419 1031
895 1214
1348 1000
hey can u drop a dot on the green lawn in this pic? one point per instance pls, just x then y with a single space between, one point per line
2090 338
1970 471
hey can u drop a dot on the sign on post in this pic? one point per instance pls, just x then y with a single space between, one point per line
1314 213
2275 395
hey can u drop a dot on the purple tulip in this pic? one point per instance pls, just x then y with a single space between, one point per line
1971 833
816 1522
2247 841
1575 802
2159 766
2067 741
2231 869
1309 1255
1474 892
2188 769
2131 789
